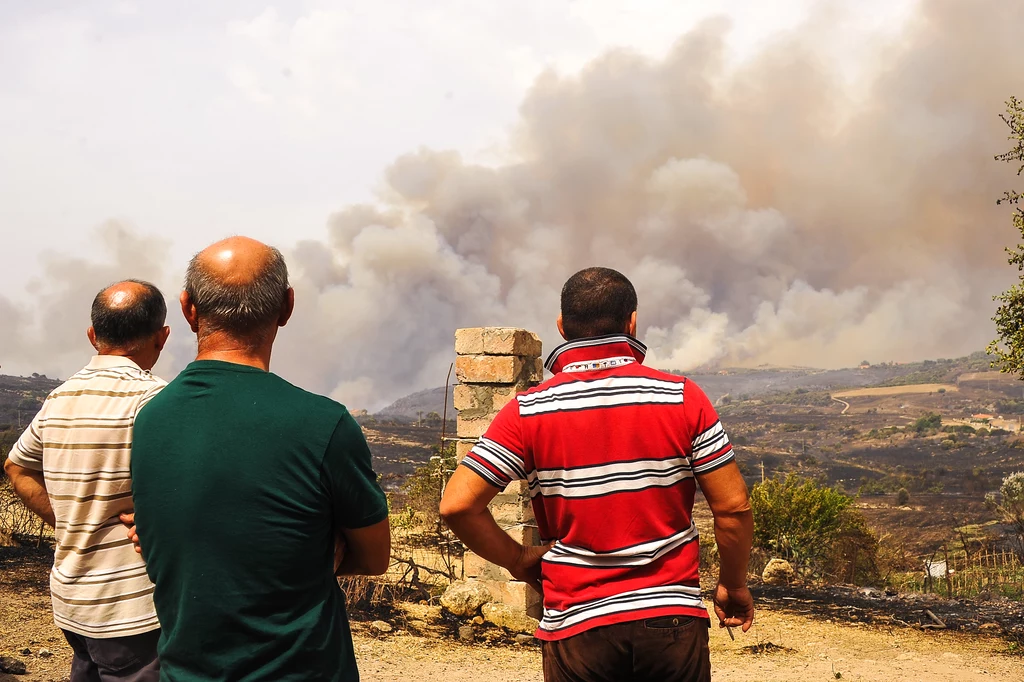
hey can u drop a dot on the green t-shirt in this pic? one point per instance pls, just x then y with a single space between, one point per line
239 480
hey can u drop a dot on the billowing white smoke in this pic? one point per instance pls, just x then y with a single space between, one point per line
763 217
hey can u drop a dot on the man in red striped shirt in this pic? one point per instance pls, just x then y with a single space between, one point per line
613 452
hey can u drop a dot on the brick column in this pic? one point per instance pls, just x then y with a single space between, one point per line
492 365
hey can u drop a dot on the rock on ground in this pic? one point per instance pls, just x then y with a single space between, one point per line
778 572
505 616
12 666
380 627
465 597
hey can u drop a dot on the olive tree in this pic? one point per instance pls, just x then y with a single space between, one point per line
1008 347
1010 505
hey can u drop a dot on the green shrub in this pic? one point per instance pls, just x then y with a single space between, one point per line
928 422
423 487
813 526
902 497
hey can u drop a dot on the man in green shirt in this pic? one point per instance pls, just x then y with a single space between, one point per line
241 484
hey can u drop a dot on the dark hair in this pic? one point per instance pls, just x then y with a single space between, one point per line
123 326
595 302
244 310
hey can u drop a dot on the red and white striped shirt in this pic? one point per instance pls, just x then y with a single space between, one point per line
610 449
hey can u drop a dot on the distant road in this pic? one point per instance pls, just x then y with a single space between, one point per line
846 404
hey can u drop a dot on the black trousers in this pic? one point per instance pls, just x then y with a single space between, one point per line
118 659
668 649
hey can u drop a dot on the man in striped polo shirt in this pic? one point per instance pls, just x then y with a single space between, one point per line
613 452
71 467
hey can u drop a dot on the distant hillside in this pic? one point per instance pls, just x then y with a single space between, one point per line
743 383
21 398
419 403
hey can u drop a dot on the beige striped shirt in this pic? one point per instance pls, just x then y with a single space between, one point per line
81 441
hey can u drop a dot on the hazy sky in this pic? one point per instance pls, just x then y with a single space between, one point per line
193 120
808 182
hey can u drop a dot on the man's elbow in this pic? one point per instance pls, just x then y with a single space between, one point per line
17 473
736 508
451 509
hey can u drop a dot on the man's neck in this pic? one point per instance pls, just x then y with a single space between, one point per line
220 346
141 359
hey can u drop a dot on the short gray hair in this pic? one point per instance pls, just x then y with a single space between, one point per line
242 310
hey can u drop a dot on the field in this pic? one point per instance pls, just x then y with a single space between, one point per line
896 390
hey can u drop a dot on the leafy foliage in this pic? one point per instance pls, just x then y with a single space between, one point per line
928 422
813 526
1008 347
1010 506
424 487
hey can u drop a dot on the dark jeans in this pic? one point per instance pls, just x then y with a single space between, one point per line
668 649
124 659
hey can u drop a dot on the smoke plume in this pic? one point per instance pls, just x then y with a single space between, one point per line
769 212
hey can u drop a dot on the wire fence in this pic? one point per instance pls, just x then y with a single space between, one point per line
985 573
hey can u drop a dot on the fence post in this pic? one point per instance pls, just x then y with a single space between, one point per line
949 581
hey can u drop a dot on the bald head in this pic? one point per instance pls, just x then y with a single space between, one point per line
126 314
238 286
237 261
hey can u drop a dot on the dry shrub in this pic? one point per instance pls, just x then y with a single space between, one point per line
375 597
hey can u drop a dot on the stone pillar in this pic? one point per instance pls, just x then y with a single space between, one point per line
492 365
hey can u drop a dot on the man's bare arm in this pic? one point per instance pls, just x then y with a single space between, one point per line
29 485
366 551
726 493
464 509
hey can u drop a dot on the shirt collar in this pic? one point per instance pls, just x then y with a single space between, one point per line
110 362
595 352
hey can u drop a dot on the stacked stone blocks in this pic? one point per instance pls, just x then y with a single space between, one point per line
492 365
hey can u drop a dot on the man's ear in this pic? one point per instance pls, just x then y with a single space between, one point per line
161 338
91 333
189 311
288 308
631 327
561 329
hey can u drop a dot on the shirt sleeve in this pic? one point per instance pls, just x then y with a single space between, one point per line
28 451
498 456
147 396
347 473
710 443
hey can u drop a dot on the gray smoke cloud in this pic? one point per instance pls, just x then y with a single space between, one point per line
45 333
770 213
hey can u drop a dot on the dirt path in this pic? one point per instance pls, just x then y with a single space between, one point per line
846 405
809 648
813 651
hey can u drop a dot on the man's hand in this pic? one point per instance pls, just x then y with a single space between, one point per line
734 607
527 566
128 519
